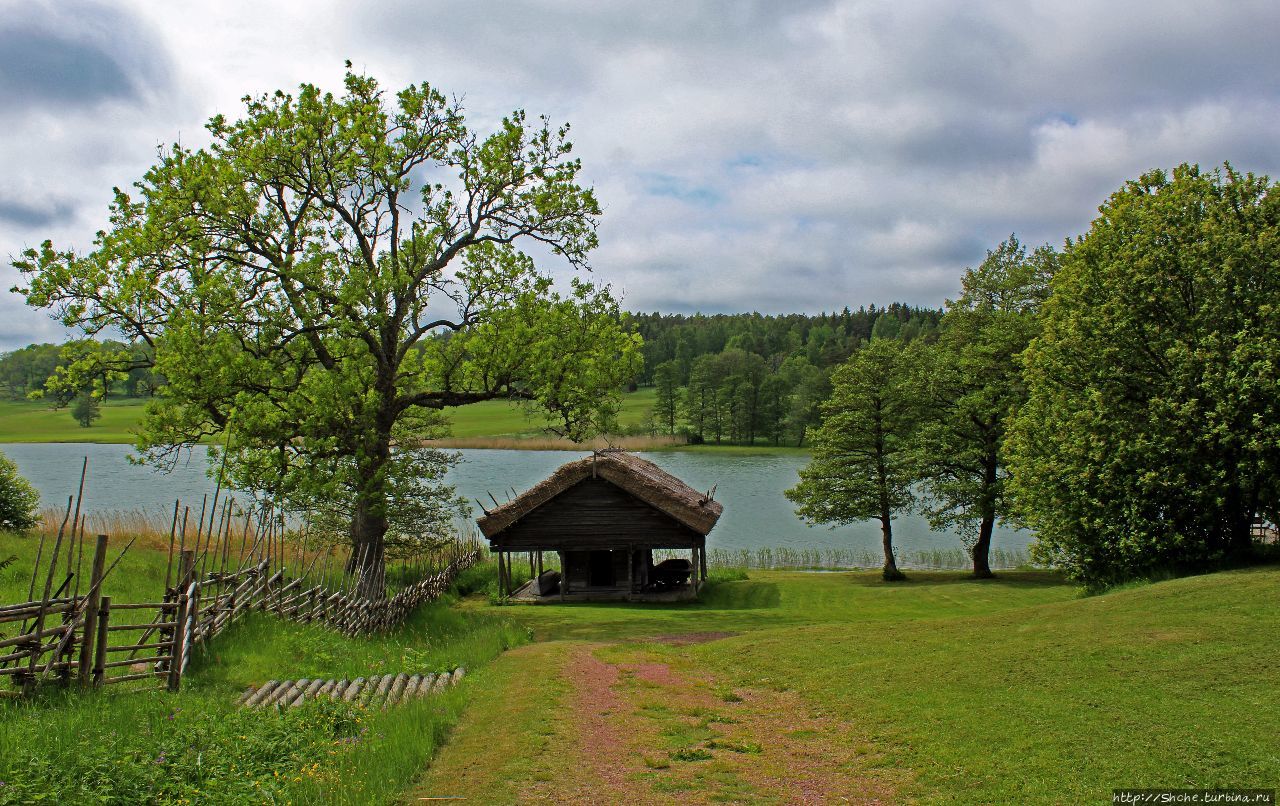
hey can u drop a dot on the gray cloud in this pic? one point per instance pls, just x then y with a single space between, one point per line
23 214
38 67
75 53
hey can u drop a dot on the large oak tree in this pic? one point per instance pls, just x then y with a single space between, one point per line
331 272
1151 437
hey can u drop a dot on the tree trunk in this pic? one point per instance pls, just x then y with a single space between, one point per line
982 549
368 552
890 572
369 522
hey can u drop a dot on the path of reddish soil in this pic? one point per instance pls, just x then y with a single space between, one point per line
653 727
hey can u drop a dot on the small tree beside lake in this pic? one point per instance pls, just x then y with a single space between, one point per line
861 466
970 382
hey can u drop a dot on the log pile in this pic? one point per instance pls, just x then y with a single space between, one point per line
380 691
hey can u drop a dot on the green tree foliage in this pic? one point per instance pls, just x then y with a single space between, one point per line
825 339
1151 437
329 275
85 409
24 371
18 499
700 409
666 395
970 381
861 466
748 377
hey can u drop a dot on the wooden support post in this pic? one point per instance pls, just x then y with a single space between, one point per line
186 569
174 681
631 579
94 600
100 654
564 574
702 556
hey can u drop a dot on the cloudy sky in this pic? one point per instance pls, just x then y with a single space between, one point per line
766 156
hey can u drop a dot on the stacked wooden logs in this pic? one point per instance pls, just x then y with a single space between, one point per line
370 692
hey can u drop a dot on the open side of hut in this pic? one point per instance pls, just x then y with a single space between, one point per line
604 515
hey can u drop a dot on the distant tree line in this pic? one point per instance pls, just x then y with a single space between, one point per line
751 378
25 372
1121 396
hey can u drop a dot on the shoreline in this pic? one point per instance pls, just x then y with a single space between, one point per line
510 443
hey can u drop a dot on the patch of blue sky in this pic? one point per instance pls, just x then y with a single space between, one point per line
659 184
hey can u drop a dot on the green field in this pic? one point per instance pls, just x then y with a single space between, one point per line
35 421
494 423
942 689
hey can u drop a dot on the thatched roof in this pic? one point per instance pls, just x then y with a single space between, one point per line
642 479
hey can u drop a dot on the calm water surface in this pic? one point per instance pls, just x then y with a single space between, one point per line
750 487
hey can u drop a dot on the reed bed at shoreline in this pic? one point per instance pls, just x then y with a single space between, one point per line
549 443
851 559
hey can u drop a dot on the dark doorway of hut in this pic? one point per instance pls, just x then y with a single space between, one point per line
602 519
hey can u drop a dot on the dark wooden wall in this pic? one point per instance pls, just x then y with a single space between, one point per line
595 514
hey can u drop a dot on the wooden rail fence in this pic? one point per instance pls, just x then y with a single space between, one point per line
65 635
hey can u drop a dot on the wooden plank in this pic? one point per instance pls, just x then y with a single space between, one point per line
27 638
112 664
140 647
141 627
129 677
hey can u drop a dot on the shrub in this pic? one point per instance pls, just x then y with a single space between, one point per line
18 499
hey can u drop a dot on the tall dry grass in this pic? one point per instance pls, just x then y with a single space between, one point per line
629 443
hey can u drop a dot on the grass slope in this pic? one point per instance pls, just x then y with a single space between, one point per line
129 744
1017 691
34 421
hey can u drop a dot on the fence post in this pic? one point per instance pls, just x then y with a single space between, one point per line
100 653
186 567
179 632
91 607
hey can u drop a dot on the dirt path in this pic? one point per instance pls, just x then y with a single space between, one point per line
639 723
653 727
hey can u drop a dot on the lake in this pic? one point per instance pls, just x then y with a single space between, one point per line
756 514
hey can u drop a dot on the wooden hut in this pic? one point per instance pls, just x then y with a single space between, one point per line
604 515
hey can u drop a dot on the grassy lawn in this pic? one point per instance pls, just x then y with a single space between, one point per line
1012 691
942 689
35 421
